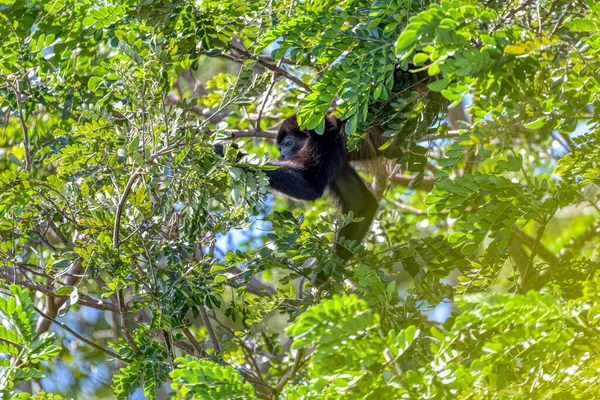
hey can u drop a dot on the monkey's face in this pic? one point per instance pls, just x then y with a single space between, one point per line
290 146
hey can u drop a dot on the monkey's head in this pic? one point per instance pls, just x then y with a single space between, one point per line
296 145
291 140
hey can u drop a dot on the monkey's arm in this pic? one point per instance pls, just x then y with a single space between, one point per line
296 183
219 149
350 190
290 180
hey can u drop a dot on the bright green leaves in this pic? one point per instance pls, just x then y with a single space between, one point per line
148 370
514 50
580 166
303 37
528 335
94 82
18 309
441 34
583 25
17 340
420 59
537 123
439 85
361 77
391 13
407 39
292 29
497 329
350 350
495 217
104 16
202 379
97 115
348 315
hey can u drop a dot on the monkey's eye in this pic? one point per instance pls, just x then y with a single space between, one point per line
287 143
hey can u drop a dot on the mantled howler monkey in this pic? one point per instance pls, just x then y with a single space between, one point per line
309 163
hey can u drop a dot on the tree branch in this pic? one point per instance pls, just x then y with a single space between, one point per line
15 88
403 180
78 336
525 263
54 304
200 352
380 179
406 207
266 65
250 133
289 374
84 300
132 179
247 350
124 320
121 204
430 138
209 329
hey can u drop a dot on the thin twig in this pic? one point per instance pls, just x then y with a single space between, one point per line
250 133
266 99
209 329
136 230
449 135
537 248
247 350
78 336
510 14
124 320
290 374
283 60
84 300
52 304
132 179
26 144
200 352
121 204
403 180
542 251
560 20
406 207
278 70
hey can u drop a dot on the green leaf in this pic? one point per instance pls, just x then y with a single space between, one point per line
514 49
373 23
351 125
94 82
204 379
439 85
405 41
536 124
420 59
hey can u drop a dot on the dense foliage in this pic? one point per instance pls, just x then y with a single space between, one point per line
137 262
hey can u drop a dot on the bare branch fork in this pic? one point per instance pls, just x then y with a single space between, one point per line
122 307
279 72
210 330
298 361
78 336
84 300
15 89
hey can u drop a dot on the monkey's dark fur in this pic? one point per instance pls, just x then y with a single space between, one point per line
323 161
310 163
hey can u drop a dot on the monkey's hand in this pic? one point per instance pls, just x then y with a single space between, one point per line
219 148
